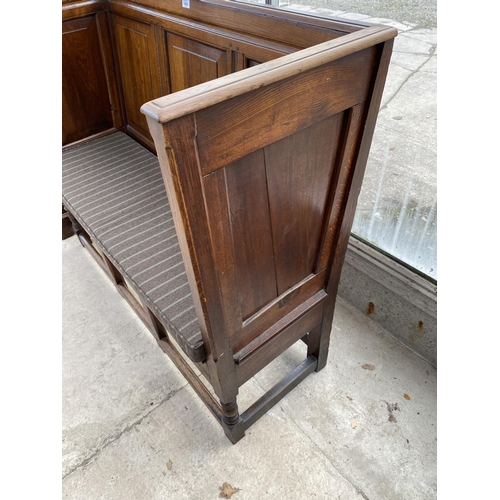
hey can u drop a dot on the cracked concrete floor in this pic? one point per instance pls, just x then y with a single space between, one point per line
363 427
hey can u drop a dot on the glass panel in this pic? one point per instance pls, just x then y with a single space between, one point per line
397 208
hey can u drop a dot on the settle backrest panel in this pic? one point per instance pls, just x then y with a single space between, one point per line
90 95
117 55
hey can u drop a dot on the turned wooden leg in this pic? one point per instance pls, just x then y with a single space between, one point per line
230 412
234 427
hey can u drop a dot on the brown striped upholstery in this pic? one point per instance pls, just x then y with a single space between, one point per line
114 188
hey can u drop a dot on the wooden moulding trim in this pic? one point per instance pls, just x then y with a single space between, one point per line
269 351
202 96
84 4
187 27
271 333
79 9
289 15
280 307
218 10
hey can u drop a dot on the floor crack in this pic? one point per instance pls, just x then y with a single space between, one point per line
412 73
118 435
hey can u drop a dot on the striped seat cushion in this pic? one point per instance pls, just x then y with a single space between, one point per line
114 188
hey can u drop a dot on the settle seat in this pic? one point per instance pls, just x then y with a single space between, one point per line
212 160
113 186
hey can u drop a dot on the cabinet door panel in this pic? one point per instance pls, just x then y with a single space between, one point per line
137 58
192 62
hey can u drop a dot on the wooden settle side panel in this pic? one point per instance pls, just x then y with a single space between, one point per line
274 165
278 202
275 149
277 197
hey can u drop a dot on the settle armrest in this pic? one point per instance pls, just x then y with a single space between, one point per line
207 94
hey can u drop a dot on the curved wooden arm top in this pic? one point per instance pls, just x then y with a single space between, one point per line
187 101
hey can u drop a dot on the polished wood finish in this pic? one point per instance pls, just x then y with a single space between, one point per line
192 62
262 22
140 79
262 122
238 41
150 44
299 183
254 262
277 155
74 9
90 94
316 95
86 108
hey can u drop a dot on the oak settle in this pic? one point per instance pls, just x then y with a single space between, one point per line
212 160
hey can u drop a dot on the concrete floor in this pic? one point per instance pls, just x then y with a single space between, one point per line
363 427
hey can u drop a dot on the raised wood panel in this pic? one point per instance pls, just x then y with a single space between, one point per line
192 62
255 48
273 215
86 108
267 212
281 191
138 62
236 127
344 164
299 172
250 223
